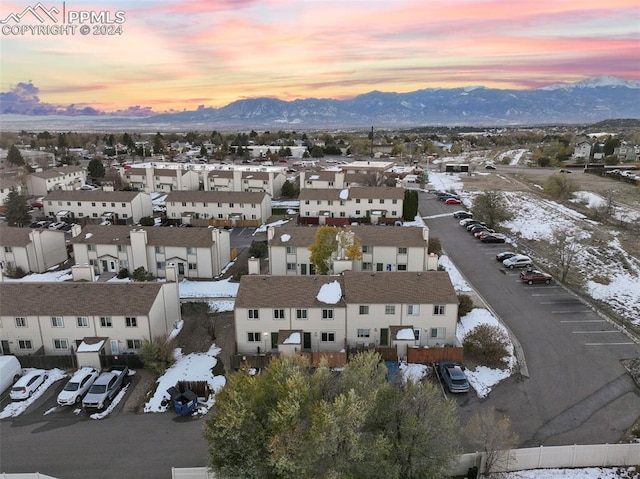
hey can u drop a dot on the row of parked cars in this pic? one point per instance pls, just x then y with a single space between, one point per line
52 225
89 386
479 229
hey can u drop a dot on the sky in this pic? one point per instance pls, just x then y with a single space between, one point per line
172 56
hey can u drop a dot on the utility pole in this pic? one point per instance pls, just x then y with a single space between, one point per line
371 142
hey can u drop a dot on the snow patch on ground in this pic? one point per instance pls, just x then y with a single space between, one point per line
15 408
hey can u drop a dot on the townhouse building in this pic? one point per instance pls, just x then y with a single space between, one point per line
245 180
118 207
59 178
338 179
330 313
202 208
161 180
332 206
582 150
54 318
32 251
388 248
197 253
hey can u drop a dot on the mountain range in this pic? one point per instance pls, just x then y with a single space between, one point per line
588 101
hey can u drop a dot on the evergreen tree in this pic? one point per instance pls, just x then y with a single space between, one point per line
96 169
410 205
288 189
14 156
16 208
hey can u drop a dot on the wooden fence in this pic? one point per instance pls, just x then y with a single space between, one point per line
334 359
434 355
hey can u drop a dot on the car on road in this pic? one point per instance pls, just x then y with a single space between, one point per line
28 384
105 387
489 167
518 261
504 255
453 376
462 215
564 170
452 201
77 386
493 238
535 276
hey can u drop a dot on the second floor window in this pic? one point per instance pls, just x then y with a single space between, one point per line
413 309
278 314
131 322
438 309
301 314
56 322
105 321
364 309
327 314
83 321
253 314
21 322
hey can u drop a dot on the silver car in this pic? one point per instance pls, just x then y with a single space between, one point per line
518 261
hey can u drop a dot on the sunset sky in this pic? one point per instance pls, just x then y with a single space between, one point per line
178 55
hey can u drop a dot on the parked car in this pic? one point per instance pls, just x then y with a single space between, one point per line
518 261
10 371
505 255
535 276
105 387
490 167
462 215
28 384
564 170
468 221
481 233
56 225
493 238
452 201
442 196
474 228
77 386
453 376
475 223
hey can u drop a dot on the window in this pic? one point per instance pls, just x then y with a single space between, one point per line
438 309
161 265
328 337
278 314
131 322
365 249
134 344
357 212
306 202
124 205
93 203
329 202
121 248
125 215
367 266
394 213
91 247
402 267
25 344
438 333
253 314
254 337
105 321
184 203
191 250
390 309
291 266
21 322
370 201
159 249
327 314
291 250
342 214
193 266
56 322
395 202
381 201
8 249
402 250
94 215
357 200
60 344
364 309
83 321
363 333
93 262
301 314
413 309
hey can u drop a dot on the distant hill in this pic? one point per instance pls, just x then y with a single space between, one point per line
589 101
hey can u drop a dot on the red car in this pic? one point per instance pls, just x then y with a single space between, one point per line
452 201
535 276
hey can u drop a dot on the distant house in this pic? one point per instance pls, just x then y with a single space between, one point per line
202 208
60 178
161 180
333 206
199 253
383 249
33 251
54 318
626 153
582 150
331 313
245 180
118 207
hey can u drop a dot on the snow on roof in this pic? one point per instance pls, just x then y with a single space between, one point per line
314 177
344 194
88 348
208 289
405 334
294 338
88 235
285 237
330 293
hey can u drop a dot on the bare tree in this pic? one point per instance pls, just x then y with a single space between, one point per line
565 248
493 436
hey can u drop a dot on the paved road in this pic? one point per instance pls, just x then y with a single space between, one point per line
577 391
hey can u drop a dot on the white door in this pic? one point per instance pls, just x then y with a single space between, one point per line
115 349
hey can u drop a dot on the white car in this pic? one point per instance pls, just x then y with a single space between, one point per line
28 383
518 261
77 386
56 225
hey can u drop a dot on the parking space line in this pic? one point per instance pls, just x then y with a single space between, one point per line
583 321
608 344
547 294
571 312
242 231
595 332
569 301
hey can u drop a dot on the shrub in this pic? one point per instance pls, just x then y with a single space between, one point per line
434 246
147 221
258 249
141 274
15 272
123 273
487 345
465 304
601 279
157 356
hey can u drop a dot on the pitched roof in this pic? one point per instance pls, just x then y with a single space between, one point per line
368 234
13 236
261 291
92 195
217 196
56 172
425 287
361 192
77 299
156 236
